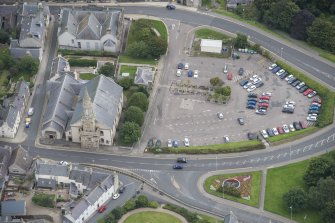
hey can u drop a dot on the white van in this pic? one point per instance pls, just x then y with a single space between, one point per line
31 111
225 70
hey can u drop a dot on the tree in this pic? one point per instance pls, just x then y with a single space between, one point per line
215 81
27 65
130 132
318 168
157 47
118 212
328 213
300 22
138 49
129 205
241 41
125 82
296 198
142 201
140 100
135 114
322 193
280 14
322 34
107 69
4 37
263 6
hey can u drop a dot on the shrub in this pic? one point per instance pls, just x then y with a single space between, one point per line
189 216
134 114
129 205
87 53
141 201
140 100
125 82
232 191
153 204
296 198
118 212
44 200
82 62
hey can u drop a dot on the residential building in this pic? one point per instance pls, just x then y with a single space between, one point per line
59 67
13 208
211 46
91 30
144 76
59 173
85 113
8 17
13 109
92 200
20 162
34 21
232 4
5 154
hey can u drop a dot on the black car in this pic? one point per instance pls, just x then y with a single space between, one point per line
177 167
252 95
259 84
150 143
313 112
240 121
243 82
158 143
180 66
240 71
304 88
181 160
282 76
252 136
295 83
121 189
292 80
171 7
270 133
288 110
297 125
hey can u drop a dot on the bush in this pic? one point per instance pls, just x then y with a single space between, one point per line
87 53
189 216
118 212
129 205
125 82
140 100
141 201
82 62
296 198
232 191
153 204
44 200
134 114
130 132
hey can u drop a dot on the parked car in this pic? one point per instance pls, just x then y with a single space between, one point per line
30 111
295 83
186 142
280 130
291 80
240 121
304 88
116 196
300 85
150 143
251 103
257 80
297 125
220 115
312 118
269 94
252 136
274 70
269 131
243 82
175 143
312 94
249 84
292 129
264 134
180 66
318 100
171 7
314 107
225 69
177 166
240 71
187 66
289 77
181 160
282 76
250 106
272 66
226 139
252 95
263 101
251 88
158 143
303 124
190 73
122 189
275 131
102 208
309 90
280 72
196 74
313 111
266 105
178 74
261 111
286 129
169 143
264 97
259 84
252 99
230 76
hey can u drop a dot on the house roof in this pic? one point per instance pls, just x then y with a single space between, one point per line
73 189
80 176
17 52
59 66
52 170
144 75
21 158
96 178
13 208
46 183
89 28
5 154
211 43
105 95
79 208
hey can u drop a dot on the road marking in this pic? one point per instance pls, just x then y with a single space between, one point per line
332 137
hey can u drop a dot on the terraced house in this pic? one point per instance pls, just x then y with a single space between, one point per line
91 30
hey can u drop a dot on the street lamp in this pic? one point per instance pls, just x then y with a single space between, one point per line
291 211
281 52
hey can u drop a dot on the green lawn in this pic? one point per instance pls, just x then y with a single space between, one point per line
281 180
291 136
206 33
255 188
129 59
160 27
152 217
210 219
87 76
128 69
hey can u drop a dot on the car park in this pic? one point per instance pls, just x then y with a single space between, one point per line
280 72
178 73
240 71
116 196
190 73
243 82
264 134
181 160
286 129
272 66
169 143
240 121
292 129
186 142
275 131
252 136
171 7
177 166
251 88
312 94
226 139
196 74
187 66
220 115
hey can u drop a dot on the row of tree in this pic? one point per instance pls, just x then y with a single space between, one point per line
309 20
320 181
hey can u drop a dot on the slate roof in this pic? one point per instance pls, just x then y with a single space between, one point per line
61 99
105 95
59 66
5 154
46 183
79 208
13 208
9 113
17 52
144 75
9 12
80 176
89 24
73 190
21 158
52 170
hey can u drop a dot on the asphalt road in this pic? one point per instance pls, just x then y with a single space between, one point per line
182 184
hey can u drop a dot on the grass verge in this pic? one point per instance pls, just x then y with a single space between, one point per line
87 76
209 219
160 27
129 59
217 148
255 187
291 136
152 217
206 33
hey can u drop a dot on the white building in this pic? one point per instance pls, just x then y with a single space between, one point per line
91 30
211 46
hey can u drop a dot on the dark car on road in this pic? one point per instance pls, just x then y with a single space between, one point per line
177 167
121 189
181 160
243 82
252 95
171 7
252 136
240 121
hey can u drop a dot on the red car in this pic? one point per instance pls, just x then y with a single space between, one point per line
317 100
230 76
102 209
263 105
280 130
308 91
264 97
303 124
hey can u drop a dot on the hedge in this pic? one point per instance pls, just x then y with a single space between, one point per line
82 62
87 53
291 136
231 147
44 200
327 109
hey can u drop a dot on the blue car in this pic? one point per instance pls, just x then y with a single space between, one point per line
251 103
190 73
243 82
252 99
314 107
275 70
251 106
177 166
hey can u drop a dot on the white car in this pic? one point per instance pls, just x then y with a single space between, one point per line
289 77
186 142
178 73
289 106
267 94
251 88
116 196
290 102
30 111
253 77
275 131
264 134
196 74
292 129
169 143
63 163
220 115
257 80
187 66
286 129
280 72
247 85
226 139
300 85
312 118
273 66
